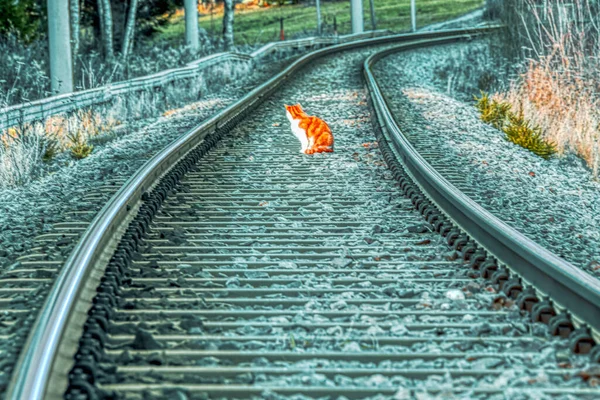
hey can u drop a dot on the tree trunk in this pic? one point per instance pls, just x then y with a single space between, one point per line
129 29
228 24
101 19
74 11
106 25
373 21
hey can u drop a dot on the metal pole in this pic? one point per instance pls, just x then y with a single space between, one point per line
318 3
281 32
356 12
59 38
373 21
191 24
413 15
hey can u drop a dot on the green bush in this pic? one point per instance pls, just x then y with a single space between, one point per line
516 128
79 147
493 112
21 17
519 131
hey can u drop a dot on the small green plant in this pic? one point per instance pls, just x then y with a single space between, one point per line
79 147
492 111
516 128
51 148
519 131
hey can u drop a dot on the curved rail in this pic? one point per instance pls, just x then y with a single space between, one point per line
46 357
567 285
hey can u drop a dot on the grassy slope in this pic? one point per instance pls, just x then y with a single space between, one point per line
259 25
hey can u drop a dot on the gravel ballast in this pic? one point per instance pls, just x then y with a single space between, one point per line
74 194
555 203
364 312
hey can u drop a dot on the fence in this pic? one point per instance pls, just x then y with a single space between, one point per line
65 103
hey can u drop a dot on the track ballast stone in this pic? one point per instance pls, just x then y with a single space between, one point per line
269 273
554 202
61 205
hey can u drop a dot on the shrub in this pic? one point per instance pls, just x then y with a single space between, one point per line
79 147
520 131
516 128
20 17
492 111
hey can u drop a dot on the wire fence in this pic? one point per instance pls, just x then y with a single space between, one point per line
39 110
253 28
262 24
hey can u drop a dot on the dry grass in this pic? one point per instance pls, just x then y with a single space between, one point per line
558 89
566 110
20 155
25 149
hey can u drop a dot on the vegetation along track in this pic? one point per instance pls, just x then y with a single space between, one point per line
231 266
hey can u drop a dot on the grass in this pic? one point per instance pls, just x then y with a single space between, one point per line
26 150
255 25
559 82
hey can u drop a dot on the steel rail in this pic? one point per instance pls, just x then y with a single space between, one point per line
565 284
48 344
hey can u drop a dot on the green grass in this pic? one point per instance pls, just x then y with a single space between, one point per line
262 25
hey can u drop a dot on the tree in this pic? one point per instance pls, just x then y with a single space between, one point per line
74 11
129 29
106 28
21 17
228 24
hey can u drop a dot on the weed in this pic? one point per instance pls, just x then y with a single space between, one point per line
20 155
50 149
79 147
492 111
516 128
521 132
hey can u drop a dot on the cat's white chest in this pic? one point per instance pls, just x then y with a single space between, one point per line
296 130
299 133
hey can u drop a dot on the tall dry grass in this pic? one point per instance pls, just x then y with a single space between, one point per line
559 88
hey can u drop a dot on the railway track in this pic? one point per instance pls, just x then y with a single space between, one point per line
231 266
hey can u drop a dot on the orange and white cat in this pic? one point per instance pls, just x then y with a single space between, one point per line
314 133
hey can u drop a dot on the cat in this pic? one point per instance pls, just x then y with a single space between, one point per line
314 134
